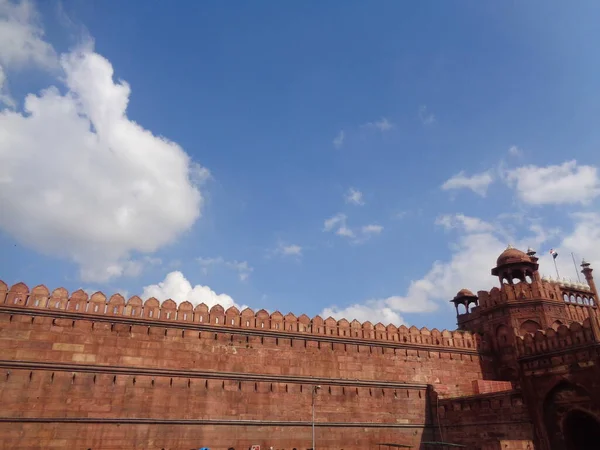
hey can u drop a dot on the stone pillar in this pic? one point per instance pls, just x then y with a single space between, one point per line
587 273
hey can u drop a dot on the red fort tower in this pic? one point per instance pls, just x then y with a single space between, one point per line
86 372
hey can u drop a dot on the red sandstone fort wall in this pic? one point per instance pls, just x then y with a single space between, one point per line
485 420
203 411
85 342
196 343
45 436
93 373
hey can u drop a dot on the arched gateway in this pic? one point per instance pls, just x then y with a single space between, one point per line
569 420
581 430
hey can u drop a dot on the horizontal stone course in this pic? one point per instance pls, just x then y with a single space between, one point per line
79 302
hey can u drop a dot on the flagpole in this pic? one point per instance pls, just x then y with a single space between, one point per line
556 267
575 265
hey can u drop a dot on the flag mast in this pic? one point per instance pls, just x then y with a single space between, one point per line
554 255
575 264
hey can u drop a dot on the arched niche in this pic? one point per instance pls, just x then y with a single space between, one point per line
529 326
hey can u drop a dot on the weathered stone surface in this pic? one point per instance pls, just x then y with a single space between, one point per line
113 374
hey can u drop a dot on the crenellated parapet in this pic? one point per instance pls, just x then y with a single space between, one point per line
519 292
577 297
557 339
20 296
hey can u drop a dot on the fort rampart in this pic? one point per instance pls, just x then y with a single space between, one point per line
183 375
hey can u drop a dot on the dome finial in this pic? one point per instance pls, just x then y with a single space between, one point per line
584 263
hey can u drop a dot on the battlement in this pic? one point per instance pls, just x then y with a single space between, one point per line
517 292
79 303
576 293
576 296
552 340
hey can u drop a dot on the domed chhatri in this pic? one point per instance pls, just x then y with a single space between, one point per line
515 264
465 293
511 256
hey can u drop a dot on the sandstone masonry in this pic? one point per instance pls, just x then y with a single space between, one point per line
83 372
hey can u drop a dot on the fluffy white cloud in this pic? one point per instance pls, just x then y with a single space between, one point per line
5 97
567 183
373 310
338 142
241 267
474 252
79 179
355 197
175 286
21 38
583 242
478 183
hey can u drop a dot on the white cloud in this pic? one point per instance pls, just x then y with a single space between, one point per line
474 252
374 311
176 287
515 151
338 142
5 97
355 197
359 235
22 39
332 222
467 223
338 222
242 267
562 184
286 250
382 125
583 241
426 117
372 229
478 183
344 231
292 250
79 180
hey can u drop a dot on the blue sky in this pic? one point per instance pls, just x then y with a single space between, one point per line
359 159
